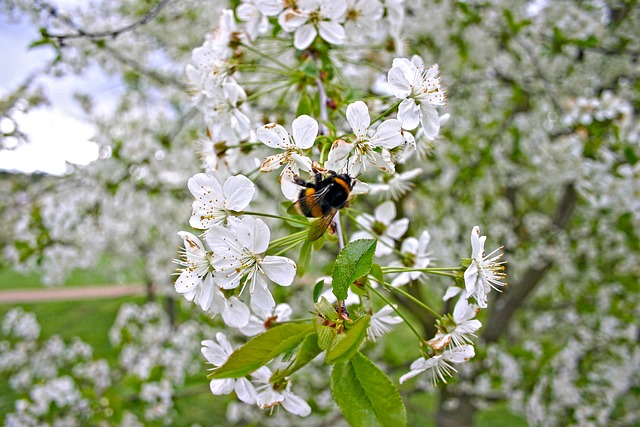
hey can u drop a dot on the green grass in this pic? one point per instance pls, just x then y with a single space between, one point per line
101 274
89 320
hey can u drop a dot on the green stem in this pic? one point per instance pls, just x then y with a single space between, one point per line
291 246
310 319
414 299
265 56
299 236
383 298
266 215
435 272
386 113
264 69
266 91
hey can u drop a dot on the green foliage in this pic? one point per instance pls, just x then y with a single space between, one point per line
308 351
261 349
304 257
343 348
353 261
317 290
365 395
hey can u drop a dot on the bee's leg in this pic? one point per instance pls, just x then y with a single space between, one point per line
318 178
301 182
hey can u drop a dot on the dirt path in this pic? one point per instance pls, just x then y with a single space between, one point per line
69 293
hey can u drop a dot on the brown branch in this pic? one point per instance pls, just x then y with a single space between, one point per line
82 33
514 297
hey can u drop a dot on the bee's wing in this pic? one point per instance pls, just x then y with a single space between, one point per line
310 200
320 225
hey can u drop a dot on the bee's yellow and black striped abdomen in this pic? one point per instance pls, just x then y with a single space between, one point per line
309 203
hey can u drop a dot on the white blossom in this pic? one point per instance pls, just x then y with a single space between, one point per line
313 17
240 253
420 91
464 326
485 271
415 252
381 322
214 203
305 131
440 365
383 226
269 397
217 354
261 319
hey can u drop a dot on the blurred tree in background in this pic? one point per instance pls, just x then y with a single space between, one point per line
541 148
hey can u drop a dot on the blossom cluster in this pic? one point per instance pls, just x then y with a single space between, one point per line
227 269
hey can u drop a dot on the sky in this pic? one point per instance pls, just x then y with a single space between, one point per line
60 132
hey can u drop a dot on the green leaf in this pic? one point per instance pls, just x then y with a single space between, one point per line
376 272
261 349
365 395
353 261
326 310
309 350
325 335
304 257
349 342
317 290
304 106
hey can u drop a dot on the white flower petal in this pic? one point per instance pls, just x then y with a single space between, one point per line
451 292
254 327
338 155
359 118
302 161
398 228
238 191
214 353
217 239
399 84
385 213
388 135
187 281
261 296
273 135
408 68
236 313
223 386
202 184
279 269
409 114
295 404
409 246
460 354
269 398
430 120
332 32
477 244
273 162
289 188
304 36
245 391
192 244
253 234
305 130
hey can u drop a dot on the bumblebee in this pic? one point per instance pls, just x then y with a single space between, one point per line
322 198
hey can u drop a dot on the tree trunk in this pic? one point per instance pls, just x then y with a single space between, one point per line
454 410
457 410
